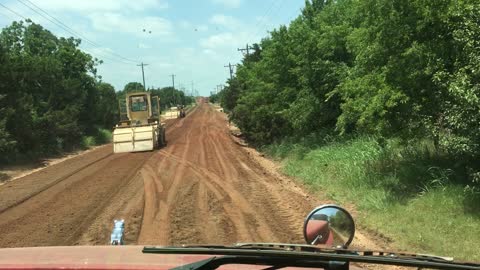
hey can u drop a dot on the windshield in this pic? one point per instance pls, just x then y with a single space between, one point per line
138 103
216 122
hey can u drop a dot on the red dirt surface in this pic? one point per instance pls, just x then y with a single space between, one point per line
203 187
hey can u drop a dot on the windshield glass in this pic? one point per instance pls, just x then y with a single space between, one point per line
216 122
138 103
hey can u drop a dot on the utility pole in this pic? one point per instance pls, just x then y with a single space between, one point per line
143 75
230 67
247 49
173 88
191 93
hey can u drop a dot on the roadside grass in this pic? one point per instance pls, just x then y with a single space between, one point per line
101 136
411 194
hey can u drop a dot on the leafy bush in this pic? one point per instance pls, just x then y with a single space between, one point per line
103 136
88 141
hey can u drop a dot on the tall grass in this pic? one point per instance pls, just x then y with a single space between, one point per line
101 136
410 193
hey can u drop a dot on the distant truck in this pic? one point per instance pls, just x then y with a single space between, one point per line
140 127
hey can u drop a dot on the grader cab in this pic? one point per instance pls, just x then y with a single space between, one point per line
140 127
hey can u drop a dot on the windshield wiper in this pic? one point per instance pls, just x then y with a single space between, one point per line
282 255
272 262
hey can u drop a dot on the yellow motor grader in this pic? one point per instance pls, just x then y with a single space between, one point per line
140 127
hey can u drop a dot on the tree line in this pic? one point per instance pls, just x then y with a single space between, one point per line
169 96
383 68
51 96
50 93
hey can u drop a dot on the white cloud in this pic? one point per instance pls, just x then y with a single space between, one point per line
202 28
187 52
87 6
225 21
144 46
164 65
208 51
190 26
116 22
227 42
219 40
185 24
228 3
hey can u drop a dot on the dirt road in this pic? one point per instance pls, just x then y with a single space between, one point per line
202 188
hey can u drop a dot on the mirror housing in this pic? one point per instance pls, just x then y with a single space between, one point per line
329 225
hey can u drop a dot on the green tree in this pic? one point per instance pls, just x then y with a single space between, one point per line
48 90
171 97
403 69
107 105
133 87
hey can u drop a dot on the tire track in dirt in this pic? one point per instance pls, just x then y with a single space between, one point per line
20 190
161 185
212 192
62 213
75 201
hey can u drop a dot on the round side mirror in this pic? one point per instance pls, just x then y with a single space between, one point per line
329 225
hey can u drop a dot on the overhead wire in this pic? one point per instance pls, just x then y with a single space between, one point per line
295 14
264 21
6 15
13 11
88 51
78 34
57 22
60 22
70 31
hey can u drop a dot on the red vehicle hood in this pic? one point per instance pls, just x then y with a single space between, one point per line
98 257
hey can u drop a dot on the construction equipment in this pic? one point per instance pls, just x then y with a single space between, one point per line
181 111
140 127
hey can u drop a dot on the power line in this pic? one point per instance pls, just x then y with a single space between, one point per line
143 75
68 29
263 20
230 67
191 94
173 89
105 57
280 5
272 3
90 52
60 24
21 16
294 14
13 11
247 49
6 15
265 23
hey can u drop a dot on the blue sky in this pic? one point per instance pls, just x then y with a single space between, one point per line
191 39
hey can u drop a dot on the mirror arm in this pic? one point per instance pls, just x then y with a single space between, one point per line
318 238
